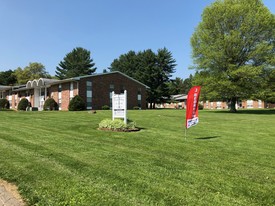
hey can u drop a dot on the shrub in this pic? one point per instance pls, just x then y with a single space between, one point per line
23 104
200 106
4 104
50 104
117 125
77 104
136 107
105 107
131 125
8 105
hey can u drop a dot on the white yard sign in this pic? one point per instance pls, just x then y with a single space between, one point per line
119 106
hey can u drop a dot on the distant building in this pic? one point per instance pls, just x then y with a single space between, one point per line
241 104
174 102
179 102
94 89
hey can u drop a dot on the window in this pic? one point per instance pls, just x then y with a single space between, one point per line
59 88
89 94
211 105
139 98
15 100
71 90
219 105
111 89
59 104
10 99
49 94
259 103
249 104
59 96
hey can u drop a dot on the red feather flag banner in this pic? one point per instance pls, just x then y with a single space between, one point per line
192 106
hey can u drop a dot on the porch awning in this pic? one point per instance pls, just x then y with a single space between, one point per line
3 88
40 82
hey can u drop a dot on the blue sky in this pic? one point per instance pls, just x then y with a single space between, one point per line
46 30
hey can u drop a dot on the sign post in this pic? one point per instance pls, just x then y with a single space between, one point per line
119 106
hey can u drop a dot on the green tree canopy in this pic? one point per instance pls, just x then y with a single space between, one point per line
269 93
233 48
152 69
175 86
76 63
34 70
180 86
7 78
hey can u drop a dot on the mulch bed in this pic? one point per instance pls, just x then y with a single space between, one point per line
120 130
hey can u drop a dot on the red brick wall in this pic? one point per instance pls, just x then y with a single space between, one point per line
255 104
65 96
100 91
65 93
54 92
101 88
225 106
75 91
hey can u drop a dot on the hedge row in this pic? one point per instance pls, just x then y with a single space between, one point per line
76 104
4 104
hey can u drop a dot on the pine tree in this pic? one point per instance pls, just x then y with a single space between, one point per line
76 63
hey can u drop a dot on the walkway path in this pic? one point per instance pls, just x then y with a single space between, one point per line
9 195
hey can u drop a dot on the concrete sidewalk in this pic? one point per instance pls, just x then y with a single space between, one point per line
7 198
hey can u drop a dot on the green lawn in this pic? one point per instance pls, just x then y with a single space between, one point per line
60 158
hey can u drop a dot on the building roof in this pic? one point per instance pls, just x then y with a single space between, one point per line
47 82
2 87
40 82
100 74
179 97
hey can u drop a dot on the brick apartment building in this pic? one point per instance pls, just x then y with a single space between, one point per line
179 102
241 104
94 89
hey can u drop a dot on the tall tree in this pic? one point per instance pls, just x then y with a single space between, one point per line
154 70
180 86
187 84
126 63
34 70
234 47
268 94
7 78
176 86
76 63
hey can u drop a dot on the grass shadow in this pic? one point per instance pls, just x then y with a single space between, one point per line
206 138
250 111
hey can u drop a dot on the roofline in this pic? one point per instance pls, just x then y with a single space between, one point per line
5 88
101 74
130 78
63 81
75 79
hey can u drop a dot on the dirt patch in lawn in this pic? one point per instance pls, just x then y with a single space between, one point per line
9 195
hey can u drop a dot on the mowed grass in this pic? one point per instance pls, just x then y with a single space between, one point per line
60 158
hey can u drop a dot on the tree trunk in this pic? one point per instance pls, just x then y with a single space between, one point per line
233 103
